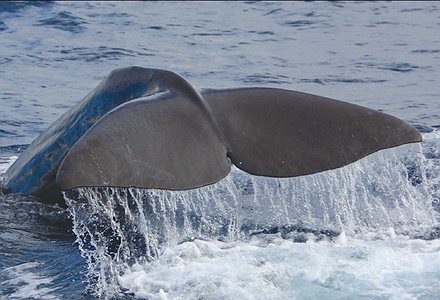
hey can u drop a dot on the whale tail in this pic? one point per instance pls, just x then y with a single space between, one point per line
166 142
149 128
282 133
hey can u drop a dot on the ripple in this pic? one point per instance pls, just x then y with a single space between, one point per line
97 53
331 79
156 27
264 79
423 51
273 11
3 26
316 80
6 133
401 67
5 60
423 128
12 149
64 21
299 23
267 32
411 9
208 34
11 123
385 23
13 7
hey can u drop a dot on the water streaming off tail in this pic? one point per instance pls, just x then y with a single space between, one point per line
120 227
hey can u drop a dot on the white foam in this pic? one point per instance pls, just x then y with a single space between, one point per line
6 162
377 192
27 283
394 268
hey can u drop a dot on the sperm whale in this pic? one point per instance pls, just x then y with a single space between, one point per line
149 128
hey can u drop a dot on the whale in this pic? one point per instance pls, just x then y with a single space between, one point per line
151 129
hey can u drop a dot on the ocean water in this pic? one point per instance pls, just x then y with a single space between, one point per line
369 230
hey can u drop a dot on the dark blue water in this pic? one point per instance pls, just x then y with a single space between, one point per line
383 55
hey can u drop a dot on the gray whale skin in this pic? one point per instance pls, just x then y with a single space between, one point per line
149 128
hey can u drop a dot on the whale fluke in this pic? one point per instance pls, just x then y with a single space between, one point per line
163 142
35 170
150 128
282 133
166 142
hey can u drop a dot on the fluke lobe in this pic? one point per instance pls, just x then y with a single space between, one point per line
149 128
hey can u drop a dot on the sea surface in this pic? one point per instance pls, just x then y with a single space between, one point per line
369 230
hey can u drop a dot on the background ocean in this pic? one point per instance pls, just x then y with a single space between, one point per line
369 230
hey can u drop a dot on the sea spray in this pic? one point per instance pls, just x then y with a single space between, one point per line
431 155
118 228
368 265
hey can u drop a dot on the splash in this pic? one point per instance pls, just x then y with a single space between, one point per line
118 228
374 265
26 282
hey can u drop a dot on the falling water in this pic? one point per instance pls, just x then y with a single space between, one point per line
121 227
